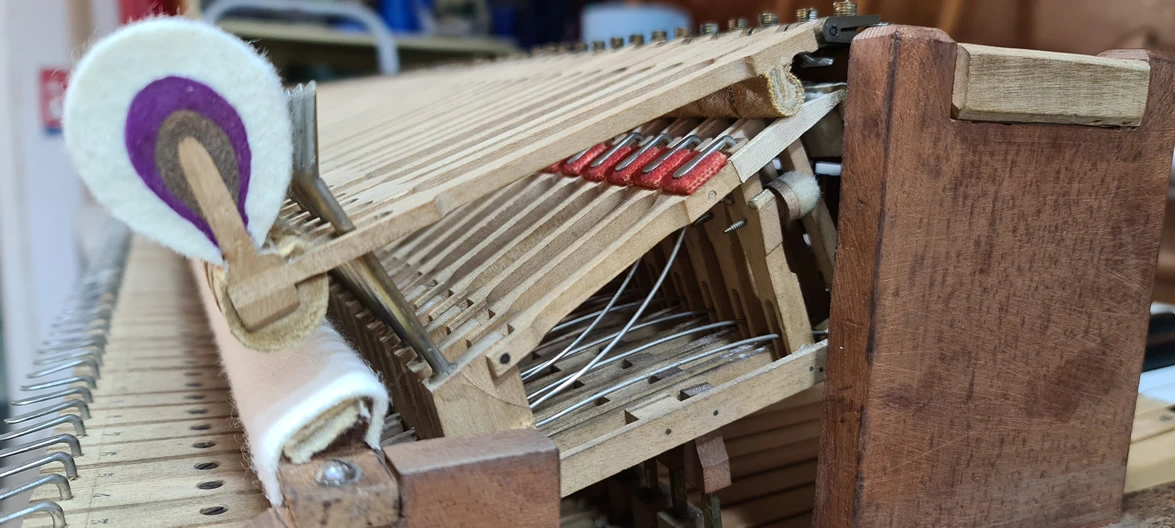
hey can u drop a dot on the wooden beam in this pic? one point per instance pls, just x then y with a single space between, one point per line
990 300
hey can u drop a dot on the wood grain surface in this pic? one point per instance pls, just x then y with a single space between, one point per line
990 302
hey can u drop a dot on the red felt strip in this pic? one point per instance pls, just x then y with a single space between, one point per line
575 169
599 173
624 177
654 179
696 177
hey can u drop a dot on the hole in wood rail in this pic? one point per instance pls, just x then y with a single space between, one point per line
624 364
203 445
505 359
210 484
577 384
205 466
195 397
194 384
213 510
197 411
201 427
601 401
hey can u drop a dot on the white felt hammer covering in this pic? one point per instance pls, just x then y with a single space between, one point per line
295 402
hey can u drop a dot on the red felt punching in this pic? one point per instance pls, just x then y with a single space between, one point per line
654 179
577 168
601 171
696 177
624 177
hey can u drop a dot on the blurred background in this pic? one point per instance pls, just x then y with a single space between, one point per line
46 220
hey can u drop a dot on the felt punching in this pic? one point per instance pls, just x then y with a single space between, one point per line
142 90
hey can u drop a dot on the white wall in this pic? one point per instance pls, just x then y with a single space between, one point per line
39 192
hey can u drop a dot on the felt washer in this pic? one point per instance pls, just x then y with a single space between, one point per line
131 81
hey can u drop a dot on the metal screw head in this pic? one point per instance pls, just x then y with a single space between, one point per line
844 8
338 472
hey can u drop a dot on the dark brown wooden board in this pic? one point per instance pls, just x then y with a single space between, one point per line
990 302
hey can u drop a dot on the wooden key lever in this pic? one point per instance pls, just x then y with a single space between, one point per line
240 256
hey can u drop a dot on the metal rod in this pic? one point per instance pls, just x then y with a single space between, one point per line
88 380
49 360
85 393
86 362
646 346
615 341
75 447
79 428
365 276
71 469
638 379
56 479
52 508
81 406
533 371
679 145
659 139
627 140
714 146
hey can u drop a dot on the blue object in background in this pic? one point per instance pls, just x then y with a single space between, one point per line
400 15
604 21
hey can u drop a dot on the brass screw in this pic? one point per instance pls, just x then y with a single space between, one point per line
710 28
599 45
768 19
660 36
802 14
844 8
617 42
636 39
681 33
736 24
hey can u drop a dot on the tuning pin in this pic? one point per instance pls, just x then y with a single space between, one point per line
768 20
737 24
681 33
813 13
844 8
660 36
579 46
599 45
636 39
710 28
617 42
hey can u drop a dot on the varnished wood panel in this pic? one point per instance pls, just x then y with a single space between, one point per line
990 302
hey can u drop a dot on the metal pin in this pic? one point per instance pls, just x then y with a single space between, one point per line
627 140
85 393
660 36
715 146
628 326
681 144
636 39
681 33
737 24
735 227
52 508
616 42
51 360
642 378
71 469
83 409
768 19
659 139
579 47
75 447
575 159
599 45
88 380
56 479
79 428
710 28
85 362
532 372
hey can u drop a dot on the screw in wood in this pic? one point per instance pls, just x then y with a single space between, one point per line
737 24
710 28
844 8
802 14
636 39
617 42
735 226
337 472
768 19
681 33
660 36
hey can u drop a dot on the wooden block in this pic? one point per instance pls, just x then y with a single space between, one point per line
504 479
1028 86
373 500
990 301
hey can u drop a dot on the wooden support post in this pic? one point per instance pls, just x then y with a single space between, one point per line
990 300
509 478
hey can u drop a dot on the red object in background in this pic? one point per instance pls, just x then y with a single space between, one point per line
52 88
131 10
